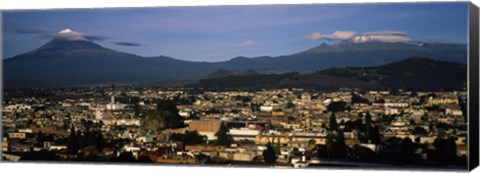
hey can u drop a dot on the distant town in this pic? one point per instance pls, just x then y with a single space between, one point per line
280 128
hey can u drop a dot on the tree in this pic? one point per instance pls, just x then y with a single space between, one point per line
269 154
166 116
311 144
124 157
342 147
375 135
100 141
368 124
336 147
81 140
407 151
153 120
333 122
446 149
223 138
290 105
72 141
277 146
363 153
189 138
419 130
91 139
337 106
358 99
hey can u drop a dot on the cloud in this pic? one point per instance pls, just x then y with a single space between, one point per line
95 37
399 33
89 37
337 35
352 36
121 43
247 43
382 36
25 30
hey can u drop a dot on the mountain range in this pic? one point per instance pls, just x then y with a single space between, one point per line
72 60
415 73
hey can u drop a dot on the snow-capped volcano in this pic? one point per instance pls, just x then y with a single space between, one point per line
70 35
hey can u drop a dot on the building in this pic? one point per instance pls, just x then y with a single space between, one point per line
205 127
4 144
115 105
17 135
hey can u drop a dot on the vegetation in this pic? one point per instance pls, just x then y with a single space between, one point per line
166 116
438 76
189 138
223 138
337 106
269 154
333 123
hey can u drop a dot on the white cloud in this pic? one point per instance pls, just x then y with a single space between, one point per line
313 36
382 36
337 35
247 43
386 32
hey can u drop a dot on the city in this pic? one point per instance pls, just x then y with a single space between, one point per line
293 128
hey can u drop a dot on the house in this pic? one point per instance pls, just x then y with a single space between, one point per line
21 148
177 159
205 127
17 135
90 151
4 144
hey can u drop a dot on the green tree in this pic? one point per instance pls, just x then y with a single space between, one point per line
189 138
336 147
419 130
290 105
333 122
269 154
223 138
368 125
363 153
375 136
91 139
72 141
278 146
124 157
100 141
342 146
153 120
166 116
445 149
311 145
81 140
407 151
337 106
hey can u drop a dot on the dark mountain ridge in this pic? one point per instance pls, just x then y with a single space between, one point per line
67 61
414 73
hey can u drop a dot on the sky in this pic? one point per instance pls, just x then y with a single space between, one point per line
219 33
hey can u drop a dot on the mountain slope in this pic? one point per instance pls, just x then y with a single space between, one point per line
411 73
348 54
66 61
71 59
225 73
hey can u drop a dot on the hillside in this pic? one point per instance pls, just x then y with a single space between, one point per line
412 73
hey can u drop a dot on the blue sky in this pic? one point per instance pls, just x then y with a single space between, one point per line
223 32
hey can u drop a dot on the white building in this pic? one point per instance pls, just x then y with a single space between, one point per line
115 105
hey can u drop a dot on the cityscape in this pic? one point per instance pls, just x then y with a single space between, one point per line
359 97
278 128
